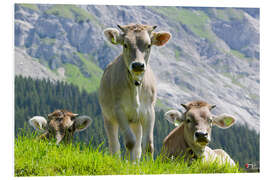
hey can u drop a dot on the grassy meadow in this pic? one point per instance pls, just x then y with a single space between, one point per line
35 157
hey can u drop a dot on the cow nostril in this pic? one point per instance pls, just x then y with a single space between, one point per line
137 66
201 134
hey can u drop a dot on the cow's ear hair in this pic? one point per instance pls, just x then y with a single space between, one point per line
112 35
39 123
82 122
223 121
160 38
174 117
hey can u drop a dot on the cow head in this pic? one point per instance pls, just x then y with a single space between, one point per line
137 41
62 124
198 120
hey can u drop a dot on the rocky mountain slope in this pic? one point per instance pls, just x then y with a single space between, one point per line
213 54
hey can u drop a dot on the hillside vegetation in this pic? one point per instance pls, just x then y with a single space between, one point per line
40 97
213 55
35 157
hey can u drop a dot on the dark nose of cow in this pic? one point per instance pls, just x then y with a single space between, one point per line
201 135
137 66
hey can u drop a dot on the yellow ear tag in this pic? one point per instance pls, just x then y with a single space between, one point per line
228 121
114 41
177 123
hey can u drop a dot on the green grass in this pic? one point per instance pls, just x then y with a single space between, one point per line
238 54
75 76
234 79
42 158
197 21
254 96
177 54
71 12
48 41
30 6
241 55
228 14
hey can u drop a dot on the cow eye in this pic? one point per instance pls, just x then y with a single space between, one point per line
125 46
149 46
188 120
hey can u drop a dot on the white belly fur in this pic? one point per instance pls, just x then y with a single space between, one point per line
211 156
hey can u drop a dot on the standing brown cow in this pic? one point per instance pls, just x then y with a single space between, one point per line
62 125
127 92
193 133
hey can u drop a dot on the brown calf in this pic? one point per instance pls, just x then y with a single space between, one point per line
193 133
62 125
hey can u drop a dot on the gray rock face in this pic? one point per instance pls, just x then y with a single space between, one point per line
240 35
213 54
26 66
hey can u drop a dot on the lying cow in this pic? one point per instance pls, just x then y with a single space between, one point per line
127 92
193 133
62 125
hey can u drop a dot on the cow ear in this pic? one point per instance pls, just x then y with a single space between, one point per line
174 117
160 38
39 123
224 121
82 122
112 35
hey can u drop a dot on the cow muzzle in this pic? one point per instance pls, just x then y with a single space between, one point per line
137 70
201 138
137 67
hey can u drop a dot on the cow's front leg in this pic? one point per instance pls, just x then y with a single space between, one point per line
137 150
59 136
112 134
148 130
129 137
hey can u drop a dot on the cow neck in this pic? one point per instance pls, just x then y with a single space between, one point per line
135 91
130 78
190 153
132 81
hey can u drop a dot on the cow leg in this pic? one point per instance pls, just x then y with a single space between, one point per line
137 130
130 142
129 137
148 130
45 135
112 134
69 136
59 136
